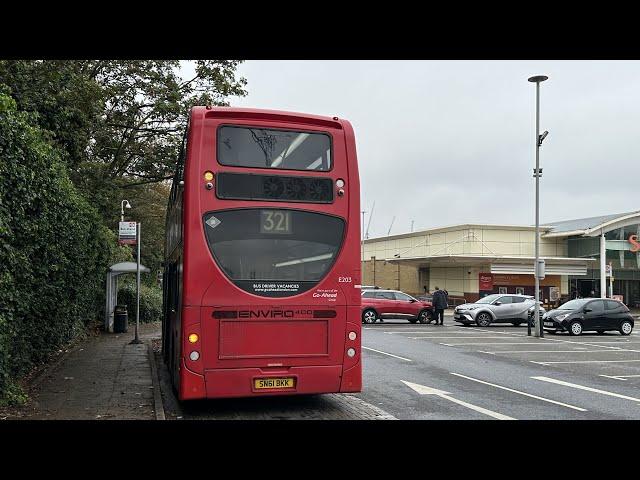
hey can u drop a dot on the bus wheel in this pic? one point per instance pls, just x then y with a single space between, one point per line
369 316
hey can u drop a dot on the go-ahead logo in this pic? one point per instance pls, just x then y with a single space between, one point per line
635 245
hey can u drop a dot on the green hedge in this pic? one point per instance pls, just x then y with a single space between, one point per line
54 251
150 302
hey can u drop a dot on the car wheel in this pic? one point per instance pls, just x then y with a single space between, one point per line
424 316
575 328
600 332
369 316
483 319
626 327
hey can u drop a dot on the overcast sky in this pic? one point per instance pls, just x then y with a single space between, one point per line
447 142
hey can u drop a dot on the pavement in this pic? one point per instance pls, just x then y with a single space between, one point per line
105 377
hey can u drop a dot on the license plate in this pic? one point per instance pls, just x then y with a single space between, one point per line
261 383
548 324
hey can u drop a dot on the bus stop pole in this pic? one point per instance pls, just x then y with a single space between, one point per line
138 236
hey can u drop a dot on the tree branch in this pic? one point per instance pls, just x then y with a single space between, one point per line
128 185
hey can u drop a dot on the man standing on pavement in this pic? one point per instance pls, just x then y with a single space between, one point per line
440 302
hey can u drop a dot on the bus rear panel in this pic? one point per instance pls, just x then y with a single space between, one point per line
262 266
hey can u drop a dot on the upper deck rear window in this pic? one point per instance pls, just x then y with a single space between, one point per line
271 148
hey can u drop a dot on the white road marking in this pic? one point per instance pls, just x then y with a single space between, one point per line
622 342
588 361
390 354
486 343
590 344
424 390
453 337
589 389
559 351
519 392
620 377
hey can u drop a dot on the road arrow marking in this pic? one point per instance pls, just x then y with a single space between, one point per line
424 390
582 387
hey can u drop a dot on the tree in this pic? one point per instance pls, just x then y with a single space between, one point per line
120 122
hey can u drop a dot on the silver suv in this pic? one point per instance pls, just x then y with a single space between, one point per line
497 308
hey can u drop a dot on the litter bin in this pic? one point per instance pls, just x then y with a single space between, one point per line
121 319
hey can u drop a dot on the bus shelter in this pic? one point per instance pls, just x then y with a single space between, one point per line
112 288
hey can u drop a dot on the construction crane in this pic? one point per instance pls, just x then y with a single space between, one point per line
366 235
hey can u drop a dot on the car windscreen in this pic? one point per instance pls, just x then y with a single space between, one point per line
574 304
273 252
270 148
489 298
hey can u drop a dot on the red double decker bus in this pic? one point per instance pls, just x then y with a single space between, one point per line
262 257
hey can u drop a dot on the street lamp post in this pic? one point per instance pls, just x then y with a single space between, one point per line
537 173
123 204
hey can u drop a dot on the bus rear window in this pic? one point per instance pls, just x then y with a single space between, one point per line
271 148
274 252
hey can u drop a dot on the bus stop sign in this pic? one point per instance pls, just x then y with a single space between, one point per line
127 233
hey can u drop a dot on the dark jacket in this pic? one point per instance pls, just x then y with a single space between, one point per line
440 300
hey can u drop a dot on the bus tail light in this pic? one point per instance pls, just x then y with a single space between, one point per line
194 356
193 338
351 352
353 335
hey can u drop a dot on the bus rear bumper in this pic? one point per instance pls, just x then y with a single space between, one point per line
240 382
352 379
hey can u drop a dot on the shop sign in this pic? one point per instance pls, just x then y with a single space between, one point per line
486 281
635 245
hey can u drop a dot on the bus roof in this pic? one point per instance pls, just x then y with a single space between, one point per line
266 114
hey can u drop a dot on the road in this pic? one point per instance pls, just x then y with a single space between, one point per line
453 372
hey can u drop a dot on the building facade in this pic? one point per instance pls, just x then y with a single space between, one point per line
473 260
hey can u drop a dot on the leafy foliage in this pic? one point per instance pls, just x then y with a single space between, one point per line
53 249
150 302
77 137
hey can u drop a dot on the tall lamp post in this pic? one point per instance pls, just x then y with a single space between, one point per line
537 173
123 204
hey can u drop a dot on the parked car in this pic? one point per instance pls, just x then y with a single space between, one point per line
380 304
497 308
589 314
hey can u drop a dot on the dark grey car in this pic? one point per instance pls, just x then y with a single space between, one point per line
589 314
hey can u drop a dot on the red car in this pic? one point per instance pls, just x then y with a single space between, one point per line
379 304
